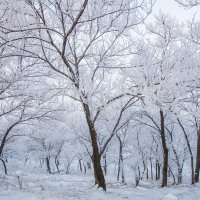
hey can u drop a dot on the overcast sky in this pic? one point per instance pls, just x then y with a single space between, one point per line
175 10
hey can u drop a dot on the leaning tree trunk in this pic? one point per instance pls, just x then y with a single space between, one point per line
190 150
3 143
197 158
4 165
171 172
165 150
96 157
4 139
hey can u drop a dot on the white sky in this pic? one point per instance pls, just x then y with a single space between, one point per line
175 10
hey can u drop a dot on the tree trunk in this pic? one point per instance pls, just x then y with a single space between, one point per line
165 150
119 167
121 161
137 177
105 164
179 166
80 165
190 150
158 171
180 177
4 165
139 173
96 158
177 160
85 169
144 166
3 142
174 179
122 168
151 165
192 169
169 172
57 164
95 176
41 162
48 165
197 168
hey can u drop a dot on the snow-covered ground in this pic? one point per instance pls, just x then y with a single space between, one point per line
80 187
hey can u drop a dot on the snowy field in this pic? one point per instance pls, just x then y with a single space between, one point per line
76 187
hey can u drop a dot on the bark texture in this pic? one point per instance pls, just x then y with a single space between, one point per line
165 150
197 168
96 157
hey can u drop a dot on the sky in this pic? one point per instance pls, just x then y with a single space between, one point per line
175 10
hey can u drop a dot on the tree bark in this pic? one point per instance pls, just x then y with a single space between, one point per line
177 160
151 167
174 179
165 150
122 168
137 177
80 165
4 165
48 165
3 142
57 164
190 150
85 169
119 169
180 177
197 168
156 170
105 164
121 161
96 158
95 176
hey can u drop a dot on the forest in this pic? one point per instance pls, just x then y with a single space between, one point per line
99 99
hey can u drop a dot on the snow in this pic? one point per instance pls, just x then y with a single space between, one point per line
80 187
170 196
